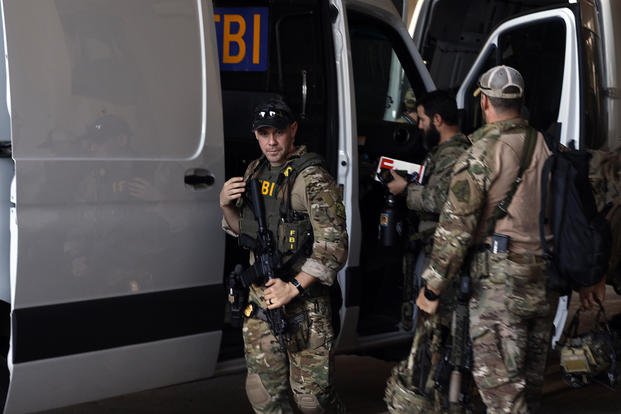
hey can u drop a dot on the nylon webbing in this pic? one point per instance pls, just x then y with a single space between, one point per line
500 210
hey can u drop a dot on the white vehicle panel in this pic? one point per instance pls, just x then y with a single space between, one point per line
71 380
116 247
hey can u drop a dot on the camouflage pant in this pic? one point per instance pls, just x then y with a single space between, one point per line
511 317
274 374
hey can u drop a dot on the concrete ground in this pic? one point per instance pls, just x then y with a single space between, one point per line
360 380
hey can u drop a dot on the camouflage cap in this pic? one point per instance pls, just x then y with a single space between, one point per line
501 82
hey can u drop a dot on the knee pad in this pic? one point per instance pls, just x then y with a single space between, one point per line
257 394
308 404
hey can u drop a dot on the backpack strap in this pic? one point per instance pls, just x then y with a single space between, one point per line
545 186
500 211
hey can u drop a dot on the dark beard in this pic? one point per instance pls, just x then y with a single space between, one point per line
431 138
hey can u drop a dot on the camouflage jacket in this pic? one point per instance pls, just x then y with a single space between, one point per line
315 193
439 165
605 176
481 178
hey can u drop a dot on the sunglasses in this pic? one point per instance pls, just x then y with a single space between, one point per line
272 113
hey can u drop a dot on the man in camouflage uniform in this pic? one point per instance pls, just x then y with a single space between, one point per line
314 203
438 121
511 310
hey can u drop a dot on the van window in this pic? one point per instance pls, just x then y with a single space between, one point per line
383 75
538 51
379 74
105 77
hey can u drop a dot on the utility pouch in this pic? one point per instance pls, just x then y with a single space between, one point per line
293 235
298 324
577 360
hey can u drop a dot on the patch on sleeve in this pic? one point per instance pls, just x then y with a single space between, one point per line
461 191
477 169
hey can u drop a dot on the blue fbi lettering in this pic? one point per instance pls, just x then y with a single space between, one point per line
242 38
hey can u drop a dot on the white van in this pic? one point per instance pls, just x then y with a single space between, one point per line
121 122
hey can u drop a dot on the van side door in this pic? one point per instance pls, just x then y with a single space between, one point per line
377 64
116 129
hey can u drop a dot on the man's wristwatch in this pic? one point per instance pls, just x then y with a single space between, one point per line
430 295
297 285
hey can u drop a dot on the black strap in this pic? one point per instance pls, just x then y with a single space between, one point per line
500 210
545 184
288 181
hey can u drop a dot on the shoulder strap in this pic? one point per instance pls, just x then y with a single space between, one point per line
290 174
500 210
255 166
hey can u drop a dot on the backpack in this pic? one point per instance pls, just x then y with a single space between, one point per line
582 238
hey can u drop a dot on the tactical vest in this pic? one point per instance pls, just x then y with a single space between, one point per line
292 230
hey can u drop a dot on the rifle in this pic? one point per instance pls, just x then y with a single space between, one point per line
461 350
265 257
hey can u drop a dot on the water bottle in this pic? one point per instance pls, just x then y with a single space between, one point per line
388 223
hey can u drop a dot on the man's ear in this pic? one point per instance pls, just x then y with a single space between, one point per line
294 128
437 120
484 102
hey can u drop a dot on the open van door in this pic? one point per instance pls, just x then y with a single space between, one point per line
543 46
377 64
116 251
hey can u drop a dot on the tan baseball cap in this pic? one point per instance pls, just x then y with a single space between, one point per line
501 82
409 100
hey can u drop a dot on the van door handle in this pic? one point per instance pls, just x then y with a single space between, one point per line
199 178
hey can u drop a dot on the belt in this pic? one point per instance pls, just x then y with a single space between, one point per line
521 258
526 258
